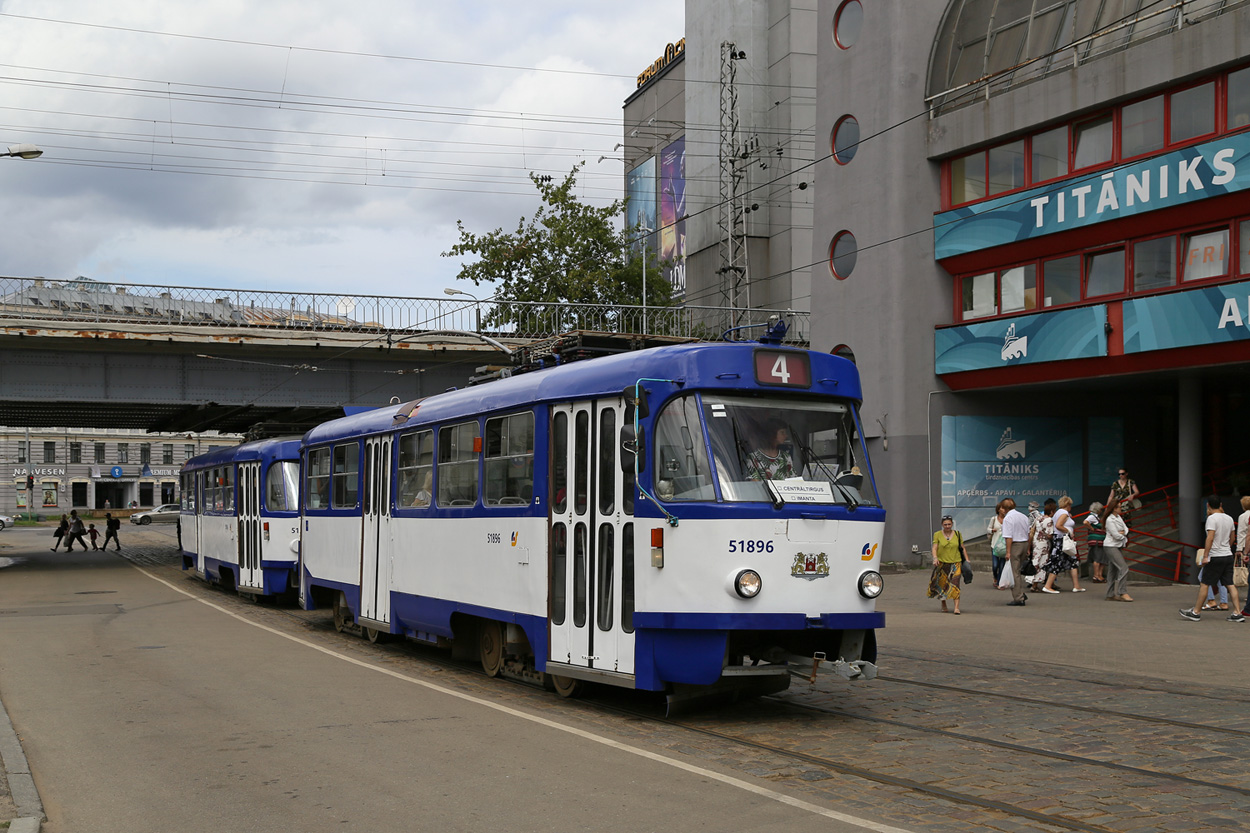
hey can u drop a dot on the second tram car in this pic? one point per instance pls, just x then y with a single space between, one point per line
678 518
239 524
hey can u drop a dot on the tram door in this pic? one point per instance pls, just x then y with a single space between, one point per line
375 552
591 570
251 577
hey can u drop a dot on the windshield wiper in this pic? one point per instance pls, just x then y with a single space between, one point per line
851 502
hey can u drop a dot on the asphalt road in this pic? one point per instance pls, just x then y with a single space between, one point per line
146 701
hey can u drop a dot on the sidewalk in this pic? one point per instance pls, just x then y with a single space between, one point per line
1146 637
19 800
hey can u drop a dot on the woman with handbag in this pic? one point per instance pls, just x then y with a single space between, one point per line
948 557
1113 547
998 546
1063 553
60 532
1095 532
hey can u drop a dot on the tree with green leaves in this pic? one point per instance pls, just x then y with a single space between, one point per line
568 253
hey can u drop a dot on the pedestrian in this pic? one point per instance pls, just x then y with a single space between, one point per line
93 534
1095 533
77 531
1063 552
60 532
948 558
998 551
111 526
1016 540
1125 491
1113 552
1040 536
1218 567
1243 552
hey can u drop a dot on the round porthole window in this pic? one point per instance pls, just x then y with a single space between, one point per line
843 253
847 23
845 139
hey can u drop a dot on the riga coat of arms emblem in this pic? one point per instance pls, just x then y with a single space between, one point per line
810 566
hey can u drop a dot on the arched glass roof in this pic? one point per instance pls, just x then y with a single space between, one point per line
1004 42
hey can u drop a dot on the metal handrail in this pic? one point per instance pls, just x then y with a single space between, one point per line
86 302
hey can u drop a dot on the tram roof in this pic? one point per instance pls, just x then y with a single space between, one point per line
274 448
701 366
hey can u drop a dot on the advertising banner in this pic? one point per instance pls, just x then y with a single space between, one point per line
1209 315
988 458
640 210
1028 339
673 214
1211 169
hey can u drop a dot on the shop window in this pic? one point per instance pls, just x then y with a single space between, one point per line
1206 255
978 291
1050 154
1238 99
1018 289
49 493
968 178
1104 273
1061 281
1092 142
1006 167
78 493
145 494
1141 127
1192 113
1244 236
1154 264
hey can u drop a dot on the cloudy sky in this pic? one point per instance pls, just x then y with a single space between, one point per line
301 146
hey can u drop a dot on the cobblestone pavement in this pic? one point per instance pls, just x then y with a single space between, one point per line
981 728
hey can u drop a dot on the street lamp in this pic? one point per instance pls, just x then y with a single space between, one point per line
24 151
476 303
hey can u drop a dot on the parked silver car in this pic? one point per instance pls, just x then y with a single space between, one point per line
5 521
164 514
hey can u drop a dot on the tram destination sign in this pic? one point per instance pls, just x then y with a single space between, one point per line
783 368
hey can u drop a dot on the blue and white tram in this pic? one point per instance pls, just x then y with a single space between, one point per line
623 520
240 517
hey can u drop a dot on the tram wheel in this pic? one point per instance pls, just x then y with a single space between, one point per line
490 647
341 613
374 635
567 687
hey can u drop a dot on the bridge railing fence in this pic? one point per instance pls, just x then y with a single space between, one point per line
89 302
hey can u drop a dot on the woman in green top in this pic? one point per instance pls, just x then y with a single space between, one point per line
948 555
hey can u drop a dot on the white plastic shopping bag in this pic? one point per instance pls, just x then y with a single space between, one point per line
1008 579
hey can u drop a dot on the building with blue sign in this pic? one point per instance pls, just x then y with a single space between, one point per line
1032 232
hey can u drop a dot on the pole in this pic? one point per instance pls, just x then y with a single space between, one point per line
30 487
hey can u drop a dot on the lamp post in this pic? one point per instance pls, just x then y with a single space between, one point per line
477 305
647 232
24 151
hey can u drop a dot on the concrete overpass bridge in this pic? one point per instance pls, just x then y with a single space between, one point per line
186 359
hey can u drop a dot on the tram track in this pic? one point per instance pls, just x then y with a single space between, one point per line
853 769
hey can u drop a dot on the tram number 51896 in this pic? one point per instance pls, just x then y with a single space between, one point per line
758 545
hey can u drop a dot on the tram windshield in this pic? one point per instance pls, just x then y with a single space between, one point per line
808 449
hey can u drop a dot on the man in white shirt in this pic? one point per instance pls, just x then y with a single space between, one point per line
1221 538
1016 538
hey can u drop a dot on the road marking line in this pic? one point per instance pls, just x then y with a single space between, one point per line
728 780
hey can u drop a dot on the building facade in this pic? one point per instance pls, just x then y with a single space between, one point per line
60 469
1033 234
676 142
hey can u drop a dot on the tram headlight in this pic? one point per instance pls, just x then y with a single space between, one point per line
748 583
871 584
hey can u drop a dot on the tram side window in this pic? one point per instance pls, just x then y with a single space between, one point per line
319 478
510 460
227 488
628 485
282 486
604 577
559 463
681 466
607 461
345 482
559 572
416 468
212 494
458 447
627 578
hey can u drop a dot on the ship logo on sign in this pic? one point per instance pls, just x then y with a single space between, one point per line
810 566
1013 347
1009 448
